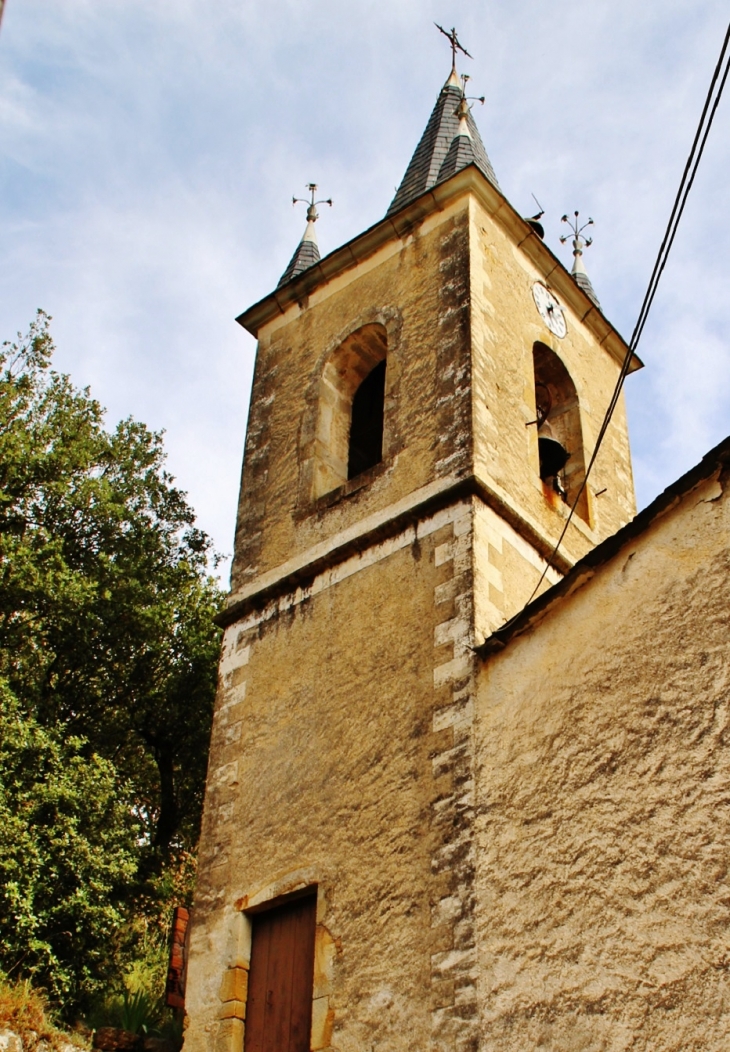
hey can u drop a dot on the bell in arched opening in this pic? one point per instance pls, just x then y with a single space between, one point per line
553 454
559 432
553 458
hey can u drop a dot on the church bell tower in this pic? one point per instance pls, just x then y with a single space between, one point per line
424 404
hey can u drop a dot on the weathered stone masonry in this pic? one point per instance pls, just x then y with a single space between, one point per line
453 365
453 960
444 543
344 740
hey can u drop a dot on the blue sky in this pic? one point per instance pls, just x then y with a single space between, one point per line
150 149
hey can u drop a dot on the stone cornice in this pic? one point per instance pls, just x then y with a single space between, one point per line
299 571
403 223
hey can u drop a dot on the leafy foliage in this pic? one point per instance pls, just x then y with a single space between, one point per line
67 854
137 1004
108 656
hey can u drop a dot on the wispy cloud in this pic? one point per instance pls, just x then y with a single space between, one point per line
150 149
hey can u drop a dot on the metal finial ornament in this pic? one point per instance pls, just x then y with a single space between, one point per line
312 213
541 213
469 98
462 110
455 45
579 241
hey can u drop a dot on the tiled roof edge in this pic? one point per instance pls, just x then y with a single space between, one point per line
585 568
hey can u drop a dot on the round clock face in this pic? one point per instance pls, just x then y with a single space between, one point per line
549 310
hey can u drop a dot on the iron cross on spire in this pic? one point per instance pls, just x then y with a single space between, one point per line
455 45
312 213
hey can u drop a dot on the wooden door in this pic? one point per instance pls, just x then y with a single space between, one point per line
279 1006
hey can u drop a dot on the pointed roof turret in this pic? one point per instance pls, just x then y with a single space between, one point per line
307 254
581 278
307 251
451 131
579 273
461 151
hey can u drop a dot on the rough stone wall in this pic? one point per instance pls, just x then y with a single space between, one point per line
342 756
505 326
418 288
455 298
450 401
603 805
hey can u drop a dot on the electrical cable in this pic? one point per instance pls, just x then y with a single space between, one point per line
688 176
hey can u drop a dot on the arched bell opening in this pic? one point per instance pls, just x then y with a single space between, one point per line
559 431
349 438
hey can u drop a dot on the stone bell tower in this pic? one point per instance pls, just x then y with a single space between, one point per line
425 401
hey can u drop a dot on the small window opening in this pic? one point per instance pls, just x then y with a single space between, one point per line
366 423
559 432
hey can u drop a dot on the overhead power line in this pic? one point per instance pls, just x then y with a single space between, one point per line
714 94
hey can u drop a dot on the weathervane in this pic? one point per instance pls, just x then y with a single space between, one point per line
312 213
463 108
579 242
455 45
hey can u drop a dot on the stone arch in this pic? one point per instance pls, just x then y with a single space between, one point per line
343 374
559 430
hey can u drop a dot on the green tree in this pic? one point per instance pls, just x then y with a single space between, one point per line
68 854
106 600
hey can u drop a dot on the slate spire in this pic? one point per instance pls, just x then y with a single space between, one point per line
581 277
307 251
461 151
579 273
451 133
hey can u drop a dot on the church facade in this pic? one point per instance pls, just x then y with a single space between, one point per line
435 819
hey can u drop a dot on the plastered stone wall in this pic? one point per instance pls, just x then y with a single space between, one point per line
342 757
505 325
603 805
455 299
